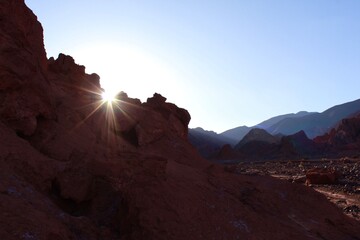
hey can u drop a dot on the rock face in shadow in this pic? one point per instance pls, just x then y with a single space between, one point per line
299 145
23 85
74 167
343 139
208 143
260 145
257 144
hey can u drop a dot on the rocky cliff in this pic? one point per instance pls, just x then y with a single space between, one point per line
344 139
74 167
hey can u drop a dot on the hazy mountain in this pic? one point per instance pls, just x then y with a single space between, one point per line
236 133
268 123
316 124
260 145
257 135
239 132
207 142
312 123
256 143
343 140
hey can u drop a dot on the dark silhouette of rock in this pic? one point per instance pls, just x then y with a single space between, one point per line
71 77
77 173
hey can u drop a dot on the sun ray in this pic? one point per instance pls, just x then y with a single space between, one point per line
89 115
109 107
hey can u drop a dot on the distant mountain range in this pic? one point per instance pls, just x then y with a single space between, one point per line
261 145
318 123
258 144
312 123
239 132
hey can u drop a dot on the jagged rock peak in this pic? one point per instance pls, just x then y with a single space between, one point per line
156 99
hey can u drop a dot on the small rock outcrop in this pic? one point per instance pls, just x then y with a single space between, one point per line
208 143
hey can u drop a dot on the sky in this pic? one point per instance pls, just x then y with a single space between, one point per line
229 63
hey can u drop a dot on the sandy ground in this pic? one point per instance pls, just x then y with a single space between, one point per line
345 193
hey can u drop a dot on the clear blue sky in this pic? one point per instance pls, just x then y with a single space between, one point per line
230 63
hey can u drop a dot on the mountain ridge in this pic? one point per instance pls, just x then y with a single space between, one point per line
316 124
312 123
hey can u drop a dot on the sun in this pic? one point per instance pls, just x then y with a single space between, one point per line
129 68
108 97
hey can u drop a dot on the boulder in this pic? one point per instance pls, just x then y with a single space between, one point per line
322 176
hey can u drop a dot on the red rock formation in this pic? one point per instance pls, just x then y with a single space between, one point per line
344 139
23 86
72 168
